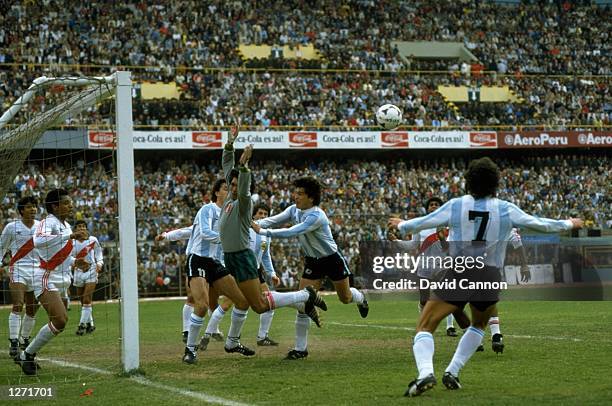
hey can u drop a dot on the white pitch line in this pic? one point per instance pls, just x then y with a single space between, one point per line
413 329
146 382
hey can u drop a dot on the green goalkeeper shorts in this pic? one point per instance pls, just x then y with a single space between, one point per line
242 265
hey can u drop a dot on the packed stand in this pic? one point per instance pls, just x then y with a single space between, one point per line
353 34
358 197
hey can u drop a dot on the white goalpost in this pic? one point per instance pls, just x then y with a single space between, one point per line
130 350
21 129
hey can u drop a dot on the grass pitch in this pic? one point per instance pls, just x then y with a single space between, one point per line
556 353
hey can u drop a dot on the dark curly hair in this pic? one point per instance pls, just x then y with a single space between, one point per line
482 178
311 187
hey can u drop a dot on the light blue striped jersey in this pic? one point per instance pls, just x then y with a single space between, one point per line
488 219
311 227
260 245
205 240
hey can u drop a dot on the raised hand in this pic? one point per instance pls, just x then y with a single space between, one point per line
246 154
234 130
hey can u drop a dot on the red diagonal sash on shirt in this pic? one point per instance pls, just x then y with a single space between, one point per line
428 242
23 251
82 253
58 258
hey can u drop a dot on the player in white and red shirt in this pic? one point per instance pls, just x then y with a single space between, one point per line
85 281
17 238
54 242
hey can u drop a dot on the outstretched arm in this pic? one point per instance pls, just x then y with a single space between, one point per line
440 217
521 219
227 160
310 223
277 220
175 235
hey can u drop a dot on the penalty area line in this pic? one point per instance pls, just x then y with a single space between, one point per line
147 382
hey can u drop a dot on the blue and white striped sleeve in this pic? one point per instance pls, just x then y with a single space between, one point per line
179 234
440 217
521 219
206 218
266 261
278 219
310 223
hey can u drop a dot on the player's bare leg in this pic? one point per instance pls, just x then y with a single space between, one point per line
346 294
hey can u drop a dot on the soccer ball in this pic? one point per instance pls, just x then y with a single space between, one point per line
389 116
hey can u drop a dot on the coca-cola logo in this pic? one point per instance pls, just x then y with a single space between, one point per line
482 140
206 139
101 139
303 139
394 139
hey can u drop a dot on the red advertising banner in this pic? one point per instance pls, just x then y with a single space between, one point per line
101 139
394 140
206 139
303 139
486 139
553 139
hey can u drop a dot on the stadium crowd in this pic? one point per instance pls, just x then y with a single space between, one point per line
352 35
358 197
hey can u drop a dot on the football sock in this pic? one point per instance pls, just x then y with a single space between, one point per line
277 299
45 334
27 325
215 319
195 325
302 323
265 320
494 325
467 346
357 296
187 309
14 321
449 321
423 349
85 312
238 319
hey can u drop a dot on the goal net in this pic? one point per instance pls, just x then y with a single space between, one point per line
44 145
